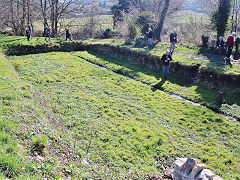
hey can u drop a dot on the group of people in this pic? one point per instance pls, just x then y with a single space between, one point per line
220 45
173 39
47 33
167 57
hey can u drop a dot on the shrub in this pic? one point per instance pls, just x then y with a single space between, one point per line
107 34
144 21
132 30
205 41
237 42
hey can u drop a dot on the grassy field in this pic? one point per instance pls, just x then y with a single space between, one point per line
65 117
78 25
201 92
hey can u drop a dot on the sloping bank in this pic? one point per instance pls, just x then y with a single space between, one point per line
193 72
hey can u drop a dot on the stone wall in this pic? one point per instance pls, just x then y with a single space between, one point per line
190 169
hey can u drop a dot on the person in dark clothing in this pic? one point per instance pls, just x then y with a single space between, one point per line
68 35
220 45
230 44
29 27
47 33
173 40
166 58
149 36
28 33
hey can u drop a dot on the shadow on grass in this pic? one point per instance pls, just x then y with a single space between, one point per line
217 60
207 95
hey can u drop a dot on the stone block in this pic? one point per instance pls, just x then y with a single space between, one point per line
179 164
205 174
217 178
188 166
196 170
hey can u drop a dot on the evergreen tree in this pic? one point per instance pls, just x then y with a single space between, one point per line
220 16
123 5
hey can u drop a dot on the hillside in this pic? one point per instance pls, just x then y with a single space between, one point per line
64 117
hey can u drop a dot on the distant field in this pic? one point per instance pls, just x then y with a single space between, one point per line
188 17
101 23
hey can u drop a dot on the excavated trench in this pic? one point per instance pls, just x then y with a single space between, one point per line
151 62
173 95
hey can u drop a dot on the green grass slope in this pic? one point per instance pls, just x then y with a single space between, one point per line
119 126
13 160
198 92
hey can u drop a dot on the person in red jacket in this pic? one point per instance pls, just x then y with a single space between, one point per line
230 44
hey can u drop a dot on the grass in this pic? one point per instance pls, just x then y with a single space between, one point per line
185 55
204 93
61 116
193 91
12 158
119 126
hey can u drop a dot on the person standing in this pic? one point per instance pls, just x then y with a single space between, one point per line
47 33
29 27
230 44
166 58
68 35
28 33
173 40
149 36
219 45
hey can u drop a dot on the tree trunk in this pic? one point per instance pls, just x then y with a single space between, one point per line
12 17
23 19
56 19
162 18
53 17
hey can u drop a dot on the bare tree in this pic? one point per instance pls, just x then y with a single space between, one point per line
235 15
19 13
166 8
16 14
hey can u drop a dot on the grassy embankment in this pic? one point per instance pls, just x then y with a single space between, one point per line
12 93
120 126
201 92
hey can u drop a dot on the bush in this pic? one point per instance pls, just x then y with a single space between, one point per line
205 41
237 42
140 42
132 32
108 34
145 21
